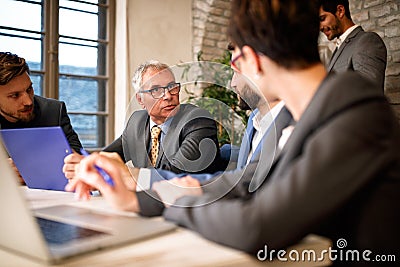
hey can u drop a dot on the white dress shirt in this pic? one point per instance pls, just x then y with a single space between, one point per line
261 126
285 136
344 35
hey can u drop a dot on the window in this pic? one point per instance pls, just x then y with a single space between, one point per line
68 45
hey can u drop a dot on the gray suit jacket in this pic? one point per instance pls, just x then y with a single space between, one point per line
191 144
364 52
338 176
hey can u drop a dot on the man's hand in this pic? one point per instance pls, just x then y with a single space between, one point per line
20 179
70 164
170 190
87 177
129 176
187 181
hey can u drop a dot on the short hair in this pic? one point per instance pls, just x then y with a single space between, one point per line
331 6
137 80
11 66
286 31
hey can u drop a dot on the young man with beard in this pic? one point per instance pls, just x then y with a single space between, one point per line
21 108
356 50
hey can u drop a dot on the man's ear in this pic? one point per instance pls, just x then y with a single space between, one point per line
340 12
139 99
253 59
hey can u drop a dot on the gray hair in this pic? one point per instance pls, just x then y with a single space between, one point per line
137 80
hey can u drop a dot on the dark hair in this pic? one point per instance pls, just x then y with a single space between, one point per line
331 6
11 66
286 31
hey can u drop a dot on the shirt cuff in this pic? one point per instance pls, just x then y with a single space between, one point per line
144 179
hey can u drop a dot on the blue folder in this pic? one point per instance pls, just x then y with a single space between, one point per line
38 154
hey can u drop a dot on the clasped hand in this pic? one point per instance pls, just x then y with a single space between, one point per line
87 178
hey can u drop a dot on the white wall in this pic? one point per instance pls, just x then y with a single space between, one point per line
160 29
153 29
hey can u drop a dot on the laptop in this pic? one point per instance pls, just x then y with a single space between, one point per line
54 233
38 154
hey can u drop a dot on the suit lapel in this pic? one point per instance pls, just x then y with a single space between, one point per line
170 139
269 153
244 149
143 149
136 138
334 58
336 55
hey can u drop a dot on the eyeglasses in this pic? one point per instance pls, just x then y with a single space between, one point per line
233 62
159 91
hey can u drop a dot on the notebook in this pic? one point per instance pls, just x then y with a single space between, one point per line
54 233
38 154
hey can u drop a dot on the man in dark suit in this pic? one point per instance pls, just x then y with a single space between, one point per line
356 50
188 138
20 108
338 174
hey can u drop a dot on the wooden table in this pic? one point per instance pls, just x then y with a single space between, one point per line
177 248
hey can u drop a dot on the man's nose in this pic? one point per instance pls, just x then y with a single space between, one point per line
167 95
27 99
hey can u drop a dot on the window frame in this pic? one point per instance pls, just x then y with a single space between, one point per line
50 72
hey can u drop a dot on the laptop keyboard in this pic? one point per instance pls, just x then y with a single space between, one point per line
60 233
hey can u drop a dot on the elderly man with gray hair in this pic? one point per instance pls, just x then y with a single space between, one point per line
165 134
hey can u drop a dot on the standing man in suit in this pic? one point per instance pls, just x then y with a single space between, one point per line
187 141
356 50
338 175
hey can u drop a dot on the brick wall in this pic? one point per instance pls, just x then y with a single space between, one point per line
210 21
383 17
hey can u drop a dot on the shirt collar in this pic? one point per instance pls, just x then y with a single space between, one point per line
261 124
344 35
164 126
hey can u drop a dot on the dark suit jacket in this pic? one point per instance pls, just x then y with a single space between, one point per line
48 112
191 144
364 52
338 176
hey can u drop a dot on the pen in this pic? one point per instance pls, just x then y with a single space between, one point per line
102 172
